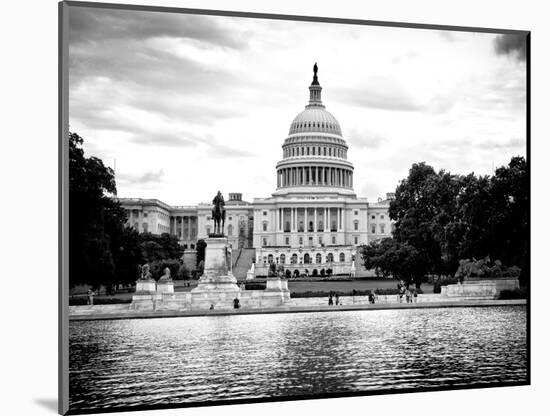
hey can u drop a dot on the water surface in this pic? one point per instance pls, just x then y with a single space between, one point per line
170 361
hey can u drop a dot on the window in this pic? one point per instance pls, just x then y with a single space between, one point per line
265 213
330 258
264 226
382 227
264 242
356 212
145 215
287 241
301 241
270 258
355 240
342 257
320 240
333 239
381 216
230 230
283 258
294 259
373 217
230 218
356 225
306 258
318 258
373 228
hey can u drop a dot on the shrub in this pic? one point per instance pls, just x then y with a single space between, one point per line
254 286
520 293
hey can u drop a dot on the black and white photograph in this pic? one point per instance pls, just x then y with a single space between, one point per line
273 208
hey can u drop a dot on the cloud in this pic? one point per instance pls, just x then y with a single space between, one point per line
147 178
515 45
380 93
93 26
365 139
447 35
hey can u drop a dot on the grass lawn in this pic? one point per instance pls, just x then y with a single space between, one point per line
293 286
348 286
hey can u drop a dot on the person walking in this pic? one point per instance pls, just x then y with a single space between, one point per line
337 300
408 295
330 300
90 297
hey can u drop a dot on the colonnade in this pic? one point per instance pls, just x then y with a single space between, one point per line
295 214
314 176
185 220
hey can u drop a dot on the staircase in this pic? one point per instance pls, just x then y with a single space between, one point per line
242 259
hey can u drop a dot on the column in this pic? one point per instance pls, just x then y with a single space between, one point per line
343 219
326 220
305 214
181 232
188 228
278 219
292 218
338 219
315 220
310 182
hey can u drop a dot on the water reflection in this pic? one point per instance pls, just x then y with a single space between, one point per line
179 360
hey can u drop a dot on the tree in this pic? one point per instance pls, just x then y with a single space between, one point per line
389 257
201 250
443 218
96 221
160 247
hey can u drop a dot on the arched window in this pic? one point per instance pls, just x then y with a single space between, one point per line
270 258
283 258
230 230
382 228
306 258
342 257
318 258
330 258
373 228
294 259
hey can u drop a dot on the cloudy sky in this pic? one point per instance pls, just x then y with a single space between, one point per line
189 104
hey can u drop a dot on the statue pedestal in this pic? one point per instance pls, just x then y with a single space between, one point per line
165 286
217 286
146 286
144 297
483 288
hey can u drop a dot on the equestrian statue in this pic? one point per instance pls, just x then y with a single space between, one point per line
218 214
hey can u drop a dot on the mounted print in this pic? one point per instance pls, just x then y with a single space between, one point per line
264 208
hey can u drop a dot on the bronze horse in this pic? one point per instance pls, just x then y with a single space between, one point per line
218 214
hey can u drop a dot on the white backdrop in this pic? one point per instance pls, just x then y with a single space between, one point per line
28 171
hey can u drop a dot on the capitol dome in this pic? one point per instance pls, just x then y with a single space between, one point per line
315 153
315 119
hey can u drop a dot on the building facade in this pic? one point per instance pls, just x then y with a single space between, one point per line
311 223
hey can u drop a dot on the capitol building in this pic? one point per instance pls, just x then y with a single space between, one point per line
312 222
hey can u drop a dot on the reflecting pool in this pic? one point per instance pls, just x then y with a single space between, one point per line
170 361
